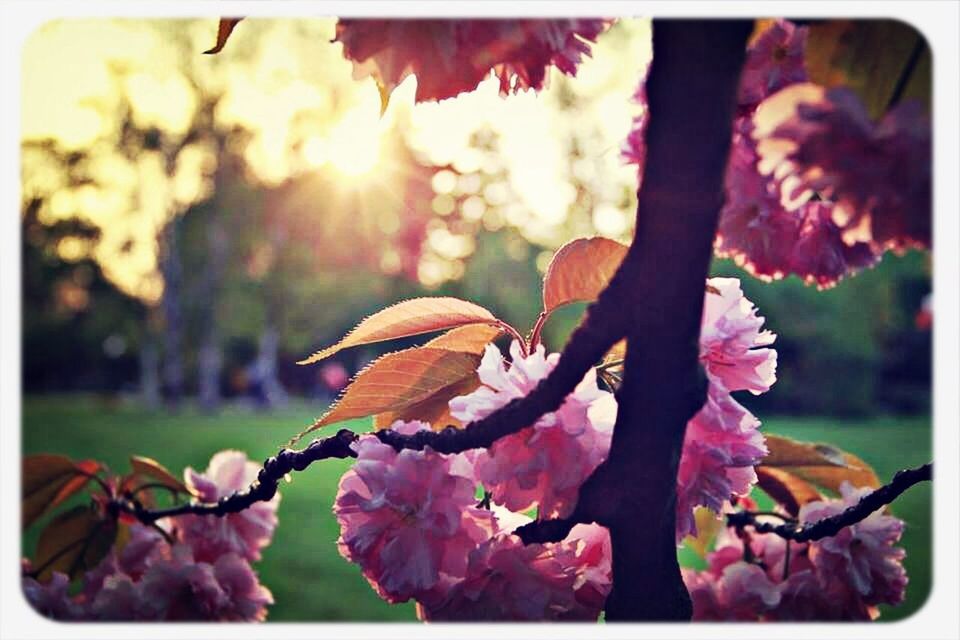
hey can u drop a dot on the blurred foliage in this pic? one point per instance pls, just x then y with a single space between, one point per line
324 213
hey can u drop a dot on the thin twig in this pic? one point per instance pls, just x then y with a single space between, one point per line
263 489
827 527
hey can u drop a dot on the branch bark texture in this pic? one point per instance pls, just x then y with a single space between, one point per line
831 526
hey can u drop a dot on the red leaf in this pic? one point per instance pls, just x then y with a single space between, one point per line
85 470
48 480
73 542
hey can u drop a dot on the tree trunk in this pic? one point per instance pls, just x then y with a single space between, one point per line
274 395
150 374
210 363
691 93
172 271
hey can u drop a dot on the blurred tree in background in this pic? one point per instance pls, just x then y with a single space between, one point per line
193 225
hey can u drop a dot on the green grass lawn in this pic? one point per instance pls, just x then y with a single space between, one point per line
309 579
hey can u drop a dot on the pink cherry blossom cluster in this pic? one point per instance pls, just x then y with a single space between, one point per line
722 443
813 186
843 577
412 521
877 174
204 573
544 465
450 57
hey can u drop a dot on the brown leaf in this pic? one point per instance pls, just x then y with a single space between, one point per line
471 338
154 470
435 410
73 542
399 380
787 489
580 270
409 318
224 29
48 480
820 464
855 471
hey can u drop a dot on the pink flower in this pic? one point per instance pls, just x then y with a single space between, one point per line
408 519
795 582
770 241
52 599
722 443
182 589
450 57
730 588
247 599
544 464
862 554
507 580
145 546
720 449
119 598
244 533
732 346
803 597
592 559
774 61
877 174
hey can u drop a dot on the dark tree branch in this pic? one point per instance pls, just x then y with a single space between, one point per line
691 94
827 527
541 531
265 487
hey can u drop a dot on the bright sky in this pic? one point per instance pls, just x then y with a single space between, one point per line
284 81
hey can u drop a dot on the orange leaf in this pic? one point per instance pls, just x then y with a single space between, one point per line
787 489
45 480
73 542
471 338
399 380
855 471
580 270
434 410
224 29
153 469
409 318
819 464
